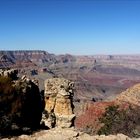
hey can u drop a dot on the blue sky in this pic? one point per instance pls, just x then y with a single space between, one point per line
71 26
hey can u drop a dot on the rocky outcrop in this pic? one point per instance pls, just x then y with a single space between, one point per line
12 73
20 105
58 103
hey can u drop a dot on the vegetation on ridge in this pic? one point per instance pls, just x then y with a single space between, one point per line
116 120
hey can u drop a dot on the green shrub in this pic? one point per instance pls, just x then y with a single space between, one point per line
112 117
116 120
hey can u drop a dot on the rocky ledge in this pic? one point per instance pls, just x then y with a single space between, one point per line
67 134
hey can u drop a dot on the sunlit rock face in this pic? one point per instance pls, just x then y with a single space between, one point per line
131 95
58 102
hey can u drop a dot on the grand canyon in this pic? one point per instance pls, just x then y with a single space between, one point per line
102 83
97 77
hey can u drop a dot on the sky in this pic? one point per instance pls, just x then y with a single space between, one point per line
71 26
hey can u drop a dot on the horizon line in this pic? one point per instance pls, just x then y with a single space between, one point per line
95 54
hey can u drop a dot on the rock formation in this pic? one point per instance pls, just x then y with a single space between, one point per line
23 59
58 103
20 105
12 73
103 75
